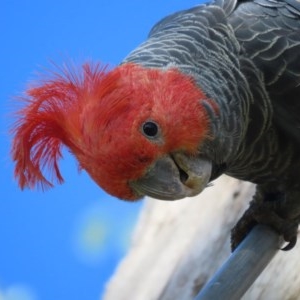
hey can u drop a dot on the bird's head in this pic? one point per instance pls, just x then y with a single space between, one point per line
136 131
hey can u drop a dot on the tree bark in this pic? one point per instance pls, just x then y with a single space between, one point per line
177 246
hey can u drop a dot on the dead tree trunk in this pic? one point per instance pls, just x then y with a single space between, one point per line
178 246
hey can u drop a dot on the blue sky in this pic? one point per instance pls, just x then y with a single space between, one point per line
63 243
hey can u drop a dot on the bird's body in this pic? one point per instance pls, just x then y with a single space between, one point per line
214 89
236 56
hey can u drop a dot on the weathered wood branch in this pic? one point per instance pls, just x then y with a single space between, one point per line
178 246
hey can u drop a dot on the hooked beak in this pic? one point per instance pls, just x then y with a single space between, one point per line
174 177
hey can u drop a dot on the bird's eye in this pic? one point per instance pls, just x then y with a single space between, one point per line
150 129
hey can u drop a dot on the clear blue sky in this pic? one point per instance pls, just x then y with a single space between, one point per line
64 243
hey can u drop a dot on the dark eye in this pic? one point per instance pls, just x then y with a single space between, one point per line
150 129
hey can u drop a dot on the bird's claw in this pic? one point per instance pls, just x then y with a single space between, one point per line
290 236
264 213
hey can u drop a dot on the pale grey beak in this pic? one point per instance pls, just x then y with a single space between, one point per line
174 177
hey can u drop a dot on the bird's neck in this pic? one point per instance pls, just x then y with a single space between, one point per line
242 130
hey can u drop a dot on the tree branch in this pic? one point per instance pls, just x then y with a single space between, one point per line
178 246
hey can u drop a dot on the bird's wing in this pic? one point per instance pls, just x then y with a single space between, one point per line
269 33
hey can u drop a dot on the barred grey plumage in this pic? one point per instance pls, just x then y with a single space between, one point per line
245 56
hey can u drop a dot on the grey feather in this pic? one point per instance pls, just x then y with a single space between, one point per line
245 56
